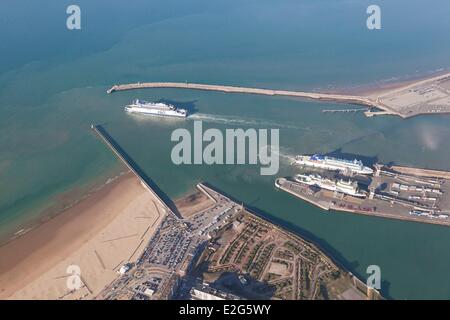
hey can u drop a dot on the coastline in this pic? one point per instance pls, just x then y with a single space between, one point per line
61 201
383 86
98 234
21 249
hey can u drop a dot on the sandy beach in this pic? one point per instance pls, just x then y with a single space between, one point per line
96 236
387 85
193 203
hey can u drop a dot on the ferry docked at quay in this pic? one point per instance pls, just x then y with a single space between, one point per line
348 187
155 109
335 164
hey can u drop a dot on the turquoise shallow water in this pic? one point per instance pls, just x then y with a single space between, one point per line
53 82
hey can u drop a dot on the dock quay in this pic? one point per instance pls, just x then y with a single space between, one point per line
108 140
343 110
402 193
299 191
422 172
369 113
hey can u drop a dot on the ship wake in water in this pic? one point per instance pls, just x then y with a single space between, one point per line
239 121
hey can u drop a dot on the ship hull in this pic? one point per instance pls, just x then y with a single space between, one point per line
157 113
328 166
329 186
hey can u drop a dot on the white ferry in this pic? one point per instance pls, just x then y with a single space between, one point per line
347 187
330 163
155 109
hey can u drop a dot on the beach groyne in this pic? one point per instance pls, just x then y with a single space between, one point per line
341 98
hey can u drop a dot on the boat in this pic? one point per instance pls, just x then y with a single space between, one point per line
348 187
331 163
155 109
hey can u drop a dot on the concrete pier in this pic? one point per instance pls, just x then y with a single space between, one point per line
101 132
343 110
341 98
428 96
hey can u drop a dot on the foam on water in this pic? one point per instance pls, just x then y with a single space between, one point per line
240 121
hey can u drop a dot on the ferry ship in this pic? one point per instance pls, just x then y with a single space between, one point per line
330 163
155 109
344 186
